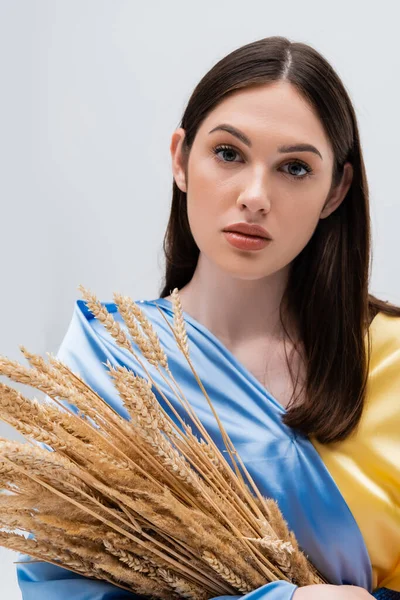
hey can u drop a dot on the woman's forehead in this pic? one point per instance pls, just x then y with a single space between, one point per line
272 112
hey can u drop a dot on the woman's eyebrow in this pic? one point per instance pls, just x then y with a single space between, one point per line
243 138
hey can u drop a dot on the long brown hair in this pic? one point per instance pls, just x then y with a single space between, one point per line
329 280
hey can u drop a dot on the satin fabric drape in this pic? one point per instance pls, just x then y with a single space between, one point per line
284 465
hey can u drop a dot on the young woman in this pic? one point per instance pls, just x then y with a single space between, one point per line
301 362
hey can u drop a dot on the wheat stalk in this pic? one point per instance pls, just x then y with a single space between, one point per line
143 503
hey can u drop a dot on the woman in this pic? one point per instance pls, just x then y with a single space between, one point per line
269 139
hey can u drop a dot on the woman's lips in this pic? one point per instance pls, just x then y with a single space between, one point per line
245 242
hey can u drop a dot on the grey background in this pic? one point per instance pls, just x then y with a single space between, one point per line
91 91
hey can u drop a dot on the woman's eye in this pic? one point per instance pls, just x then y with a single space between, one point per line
298 166
227 150
297 169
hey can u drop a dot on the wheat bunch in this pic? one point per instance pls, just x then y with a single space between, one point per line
142 503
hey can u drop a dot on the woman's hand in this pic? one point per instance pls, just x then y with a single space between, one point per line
331 592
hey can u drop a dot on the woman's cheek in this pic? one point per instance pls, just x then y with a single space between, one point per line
201 221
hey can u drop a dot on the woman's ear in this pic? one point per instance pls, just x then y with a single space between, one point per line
338 194
178 166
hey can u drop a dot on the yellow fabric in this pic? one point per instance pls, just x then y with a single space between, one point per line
366 466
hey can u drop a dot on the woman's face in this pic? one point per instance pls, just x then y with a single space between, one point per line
284 190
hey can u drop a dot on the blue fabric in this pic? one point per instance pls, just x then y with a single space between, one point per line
284 465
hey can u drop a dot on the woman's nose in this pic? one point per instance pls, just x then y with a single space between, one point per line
256 196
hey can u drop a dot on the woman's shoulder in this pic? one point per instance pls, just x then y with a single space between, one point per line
385 339
83 314
382 402
87 346
82 308
85 331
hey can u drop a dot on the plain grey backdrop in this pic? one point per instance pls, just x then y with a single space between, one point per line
91 91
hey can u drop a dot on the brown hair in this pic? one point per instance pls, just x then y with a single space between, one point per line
328 284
